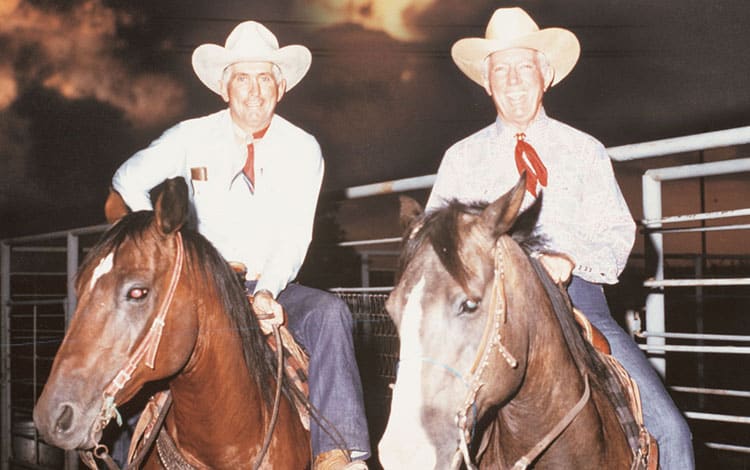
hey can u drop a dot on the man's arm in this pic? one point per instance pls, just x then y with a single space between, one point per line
605 228
163 158
291 244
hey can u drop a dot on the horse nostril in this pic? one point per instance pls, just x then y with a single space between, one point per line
65 420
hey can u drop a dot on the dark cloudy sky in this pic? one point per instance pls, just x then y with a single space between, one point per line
85 83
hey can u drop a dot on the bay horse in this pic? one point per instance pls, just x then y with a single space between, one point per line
156 301
493 370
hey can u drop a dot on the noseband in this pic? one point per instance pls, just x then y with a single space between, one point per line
491 339
145 352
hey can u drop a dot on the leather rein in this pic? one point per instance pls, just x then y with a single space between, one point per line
146 353
491 339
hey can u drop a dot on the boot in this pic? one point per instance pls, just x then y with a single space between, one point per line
337 459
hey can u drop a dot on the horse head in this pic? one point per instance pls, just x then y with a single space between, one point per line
449 307
117 340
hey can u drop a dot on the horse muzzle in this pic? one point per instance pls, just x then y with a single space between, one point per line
64 425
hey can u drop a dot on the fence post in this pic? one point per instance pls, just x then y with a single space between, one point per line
652 210
5 355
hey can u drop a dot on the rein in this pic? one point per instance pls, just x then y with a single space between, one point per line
492 338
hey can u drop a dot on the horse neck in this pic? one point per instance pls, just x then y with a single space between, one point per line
552 383
549 359
217 381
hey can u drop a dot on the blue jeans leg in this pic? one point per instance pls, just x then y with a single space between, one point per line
322 324
662 417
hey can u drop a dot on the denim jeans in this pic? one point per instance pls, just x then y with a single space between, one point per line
322 324
660 414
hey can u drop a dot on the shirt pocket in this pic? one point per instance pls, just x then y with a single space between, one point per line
205 199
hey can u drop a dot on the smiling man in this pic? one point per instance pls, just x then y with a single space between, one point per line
583 214
254 183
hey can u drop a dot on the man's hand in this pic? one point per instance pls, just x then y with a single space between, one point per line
559 267
268 311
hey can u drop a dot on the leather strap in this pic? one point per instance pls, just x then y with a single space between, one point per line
148 427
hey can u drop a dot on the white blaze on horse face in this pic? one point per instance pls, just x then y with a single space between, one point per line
105 265
405 442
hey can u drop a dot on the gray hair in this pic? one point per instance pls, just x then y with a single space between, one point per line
541 59
226 74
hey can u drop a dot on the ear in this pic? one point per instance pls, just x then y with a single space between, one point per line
410 211
280 89
223 91
525 223
115 207
171 206
549 75
499 216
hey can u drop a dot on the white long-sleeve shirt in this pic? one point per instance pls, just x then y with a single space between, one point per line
583 212
270 229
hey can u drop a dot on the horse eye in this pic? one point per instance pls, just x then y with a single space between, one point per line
137 293
469 306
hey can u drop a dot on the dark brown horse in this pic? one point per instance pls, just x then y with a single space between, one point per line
492 369
157 302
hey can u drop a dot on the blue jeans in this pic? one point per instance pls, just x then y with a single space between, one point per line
322 324
660 414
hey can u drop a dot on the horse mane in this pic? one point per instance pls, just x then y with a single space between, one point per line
203 258
440 228
584 355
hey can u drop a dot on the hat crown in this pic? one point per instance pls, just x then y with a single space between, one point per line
252 37
507 24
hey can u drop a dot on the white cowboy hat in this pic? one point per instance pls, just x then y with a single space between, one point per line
250 41
511 28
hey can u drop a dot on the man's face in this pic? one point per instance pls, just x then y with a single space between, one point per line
516 81
252 92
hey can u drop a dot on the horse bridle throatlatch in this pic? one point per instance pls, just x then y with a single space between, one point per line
146 352
492 338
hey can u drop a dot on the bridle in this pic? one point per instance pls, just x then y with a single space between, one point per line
491 339
145 352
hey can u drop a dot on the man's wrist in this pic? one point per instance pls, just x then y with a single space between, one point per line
263 291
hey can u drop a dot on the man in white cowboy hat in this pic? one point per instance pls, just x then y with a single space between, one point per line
583 213
254 183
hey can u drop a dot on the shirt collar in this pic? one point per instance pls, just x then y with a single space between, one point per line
539 122
247 139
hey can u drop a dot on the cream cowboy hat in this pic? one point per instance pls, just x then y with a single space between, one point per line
511 28
250 42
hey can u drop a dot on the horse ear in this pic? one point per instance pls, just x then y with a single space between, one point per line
171 206
410 210
115 207
500 215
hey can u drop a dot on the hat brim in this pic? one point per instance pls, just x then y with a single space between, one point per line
210 60
560 46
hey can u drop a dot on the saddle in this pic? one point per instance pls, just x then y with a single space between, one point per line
644 445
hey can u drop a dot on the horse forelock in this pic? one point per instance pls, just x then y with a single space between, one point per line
441 229
455 240
131 227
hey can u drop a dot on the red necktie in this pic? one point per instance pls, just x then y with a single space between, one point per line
537 171
249 168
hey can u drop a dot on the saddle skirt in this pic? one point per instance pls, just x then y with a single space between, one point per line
625 395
